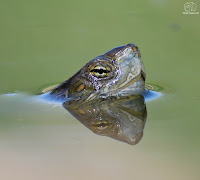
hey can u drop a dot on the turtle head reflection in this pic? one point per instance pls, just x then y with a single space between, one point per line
119 118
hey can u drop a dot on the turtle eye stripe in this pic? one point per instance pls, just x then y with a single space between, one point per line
100 71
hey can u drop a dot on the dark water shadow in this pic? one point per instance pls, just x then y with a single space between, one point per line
119 118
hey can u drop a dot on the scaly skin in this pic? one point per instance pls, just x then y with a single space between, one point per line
119 72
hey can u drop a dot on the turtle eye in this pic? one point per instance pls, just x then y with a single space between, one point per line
100 71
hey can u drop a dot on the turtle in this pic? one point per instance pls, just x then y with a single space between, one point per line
117 73
106 95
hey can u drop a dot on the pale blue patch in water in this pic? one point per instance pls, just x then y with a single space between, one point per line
49 99
151 95
10 94
46 98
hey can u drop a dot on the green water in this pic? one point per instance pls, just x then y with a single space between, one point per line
45 42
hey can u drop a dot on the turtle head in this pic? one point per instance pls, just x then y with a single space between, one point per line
118 72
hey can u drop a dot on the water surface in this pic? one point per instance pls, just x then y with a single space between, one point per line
45 42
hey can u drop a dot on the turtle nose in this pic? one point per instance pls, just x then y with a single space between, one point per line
135 49
112 53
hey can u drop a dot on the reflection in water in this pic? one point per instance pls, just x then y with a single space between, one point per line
122 118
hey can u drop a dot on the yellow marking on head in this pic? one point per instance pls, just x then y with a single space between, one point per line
81 111
80 87
134 49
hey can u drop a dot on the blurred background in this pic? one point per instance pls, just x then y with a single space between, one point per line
45 42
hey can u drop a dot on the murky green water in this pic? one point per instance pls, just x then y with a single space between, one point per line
45 42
